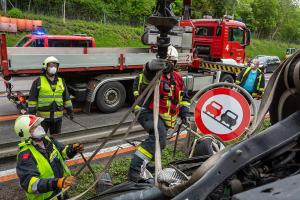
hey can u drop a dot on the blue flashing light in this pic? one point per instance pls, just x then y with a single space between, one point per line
39 31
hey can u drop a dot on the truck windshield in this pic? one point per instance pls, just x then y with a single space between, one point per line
236 35
22 42
205 31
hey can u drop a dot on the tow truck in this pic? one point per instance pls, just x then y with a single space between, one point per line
215 44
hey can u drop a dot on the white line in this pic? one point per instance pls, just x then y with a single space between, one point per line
86 155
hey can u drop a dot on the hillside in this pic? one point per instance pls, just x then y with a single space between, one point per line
108 35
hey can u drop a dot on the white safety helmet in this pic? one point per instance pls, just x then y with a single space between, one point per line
172 53
48 60
24 123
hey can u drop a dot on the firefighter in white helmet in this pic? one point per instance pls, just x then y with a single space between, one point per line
40 162
49 97
173 103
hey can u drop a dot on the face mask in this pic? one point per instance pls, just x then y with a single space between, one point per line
52 70
38 133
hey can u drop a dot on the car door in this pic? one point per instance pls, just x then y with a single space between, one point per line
236 40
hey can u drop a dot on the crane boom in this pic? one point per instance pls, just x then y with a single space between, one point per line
187 11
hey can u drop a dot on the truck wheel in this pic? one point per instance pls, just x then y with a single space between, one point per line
111 97
227 78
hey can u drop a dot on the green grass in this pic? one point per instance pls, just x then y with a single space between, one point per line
118 170
106 35
266 47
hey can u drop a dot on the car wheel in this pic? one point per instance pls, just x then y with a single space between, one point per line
227 78
111 97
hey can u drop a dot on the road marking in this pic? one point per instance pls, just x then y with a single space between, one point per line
14 117
10 174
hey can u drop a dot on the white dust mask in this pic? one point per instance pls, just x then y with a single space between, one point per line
38 133
52 70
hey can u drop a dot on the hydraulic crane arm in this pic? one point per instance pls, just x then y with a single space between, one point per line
187 11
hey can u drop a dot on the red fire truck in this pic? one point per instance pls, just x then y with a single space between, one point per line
216 44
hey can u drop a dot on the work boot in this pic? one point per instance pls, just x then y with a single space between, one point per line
135 176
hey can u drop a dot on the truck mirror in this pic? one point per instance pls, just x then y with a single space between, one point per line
248 37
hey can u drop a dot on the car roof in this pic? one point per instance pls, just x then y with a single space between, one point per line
75 37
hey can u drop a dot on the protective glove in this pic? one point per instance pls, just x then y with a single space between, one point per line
65 182
157 64
77 148
184 120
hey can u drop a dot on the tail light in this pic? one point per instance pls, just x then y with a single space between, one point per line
22 99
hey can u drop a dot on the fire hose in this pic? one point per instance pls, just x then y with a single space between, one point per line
148 91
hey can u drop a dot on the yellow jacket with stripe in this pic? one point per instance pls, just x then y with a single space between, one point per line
39 169
48 98
259 84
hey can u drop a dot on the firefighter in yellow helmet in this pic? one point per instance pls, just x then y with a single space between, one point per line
40 162
49 97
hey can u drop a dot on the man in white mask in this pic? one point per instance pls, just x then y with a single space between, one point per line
49 97
40 162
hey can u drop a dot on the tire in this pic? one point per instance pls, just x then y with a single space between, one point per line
203 148
227 78
110 97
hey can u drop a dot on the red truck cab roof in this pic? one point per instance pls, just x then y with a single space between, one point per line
45 40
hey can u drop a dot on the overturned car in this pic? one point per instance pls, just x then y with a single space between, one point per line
266 165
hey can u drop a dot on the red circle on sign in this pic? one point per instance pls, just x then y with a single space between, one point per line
223 91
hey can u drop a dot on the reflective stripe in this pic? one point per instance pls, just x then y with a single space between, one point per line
144 152
32 102
57 114
31 106
47 96
145 81
184 103
140 81
169 120
68 103
32 186
64 152
50 96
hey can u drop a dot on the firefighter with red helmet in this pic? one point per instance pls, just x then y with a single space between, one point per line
173 103
40 162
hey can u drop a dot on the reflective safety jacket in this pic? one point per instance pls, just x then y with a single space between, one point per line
39 169
48 99
259 84
173 97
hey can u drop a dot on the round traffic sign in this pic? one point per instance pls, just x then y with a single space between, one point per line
222 112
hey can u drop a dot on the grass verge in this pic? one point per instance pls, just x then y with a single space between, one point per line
118 170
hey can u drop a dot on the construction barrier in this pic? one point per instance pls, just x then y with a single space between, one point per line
18 24
4 19
8 27
29 25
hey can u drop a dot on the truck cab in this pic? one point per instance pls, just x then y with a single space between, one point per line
45 40
216 39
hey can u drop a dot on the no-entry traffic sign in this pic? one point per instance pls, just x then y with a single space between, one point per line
222 112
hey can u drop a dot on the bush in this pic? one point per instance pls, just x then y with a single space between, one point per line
15 13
